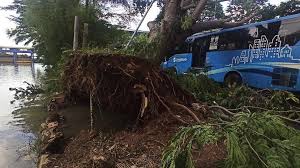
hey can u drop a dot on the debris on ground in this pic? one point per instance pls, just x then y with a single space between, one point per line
52 137
174 122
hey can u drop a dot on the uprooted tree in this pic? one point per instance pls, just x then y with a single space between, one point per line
125 85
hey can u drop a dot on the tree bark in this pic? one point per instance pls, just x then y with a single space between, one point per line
186 4
167 32
202 26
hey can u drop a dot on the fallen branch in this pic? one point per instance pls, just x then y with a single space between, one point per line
187 110
223 109
289 120
256 153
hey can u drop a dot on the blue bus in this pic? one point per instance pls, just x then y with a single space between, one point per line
263 55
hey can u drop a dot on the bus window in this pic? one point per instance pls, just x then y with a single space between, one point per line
285 77
231 46
233 40
199 49
290 31
213 43
265 32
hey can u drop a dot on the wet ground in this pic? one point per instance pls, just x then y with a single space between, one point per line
16 127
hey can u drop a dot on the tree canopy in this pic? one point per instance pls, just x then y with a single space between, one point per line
48 26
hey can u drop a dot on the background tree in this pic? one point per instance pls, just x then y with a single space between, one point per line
48 26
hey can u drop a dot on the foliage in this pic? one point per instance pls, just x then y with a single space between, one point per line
186 22
241 8
285 8
30 92
253 140
213 10
200 86
206 90
255 135
288 8
48 25
179 152
143 47
51 81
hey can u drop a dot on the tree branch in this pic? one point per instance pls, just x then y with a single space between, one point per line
289 120
223 23
187 110
244 20
256 153
198 10
186 4
223 109
170 14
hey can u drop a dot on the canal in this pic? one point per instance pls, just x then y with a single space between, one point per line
17 128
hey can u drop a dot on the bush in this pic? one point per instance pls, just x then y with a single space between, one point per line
253 140
254 133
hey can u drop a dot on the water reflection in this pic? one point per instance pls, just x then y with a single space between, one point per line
14 139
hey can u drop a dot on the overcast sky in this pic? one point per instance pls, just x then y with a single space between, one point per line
5 23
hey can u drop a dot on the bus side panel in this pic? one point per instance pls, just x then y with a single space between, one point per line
259 72
256 76
218 64
181 62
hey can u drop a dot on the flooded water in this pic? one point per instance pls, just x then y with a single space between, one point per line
15 134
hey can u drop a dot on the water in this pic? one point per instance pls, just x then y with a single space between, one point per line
15 139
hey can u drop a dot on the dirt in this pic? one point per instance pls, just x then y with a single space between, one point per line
125 149
138 94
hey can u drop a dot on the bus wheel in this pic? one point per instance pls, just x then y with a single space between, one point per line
233 80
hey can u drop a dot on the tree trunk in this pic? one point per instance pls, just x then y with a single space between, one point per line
167 33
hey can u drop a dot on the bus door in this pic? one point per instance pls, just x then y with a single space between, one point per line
199 49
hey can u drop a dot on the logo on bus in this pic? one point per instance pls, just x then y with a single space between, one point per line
262 48
179 59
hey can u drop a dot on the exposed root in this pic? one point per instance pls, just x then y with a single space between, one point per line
124 84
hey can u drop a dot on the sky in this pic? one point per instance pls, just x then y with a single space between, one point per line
5 23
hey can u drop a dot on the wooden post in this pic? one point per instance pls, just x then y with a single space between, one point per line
85 35
76 33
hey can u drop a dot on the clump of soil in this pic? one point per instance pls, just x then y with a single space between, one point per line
123 84
153 102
